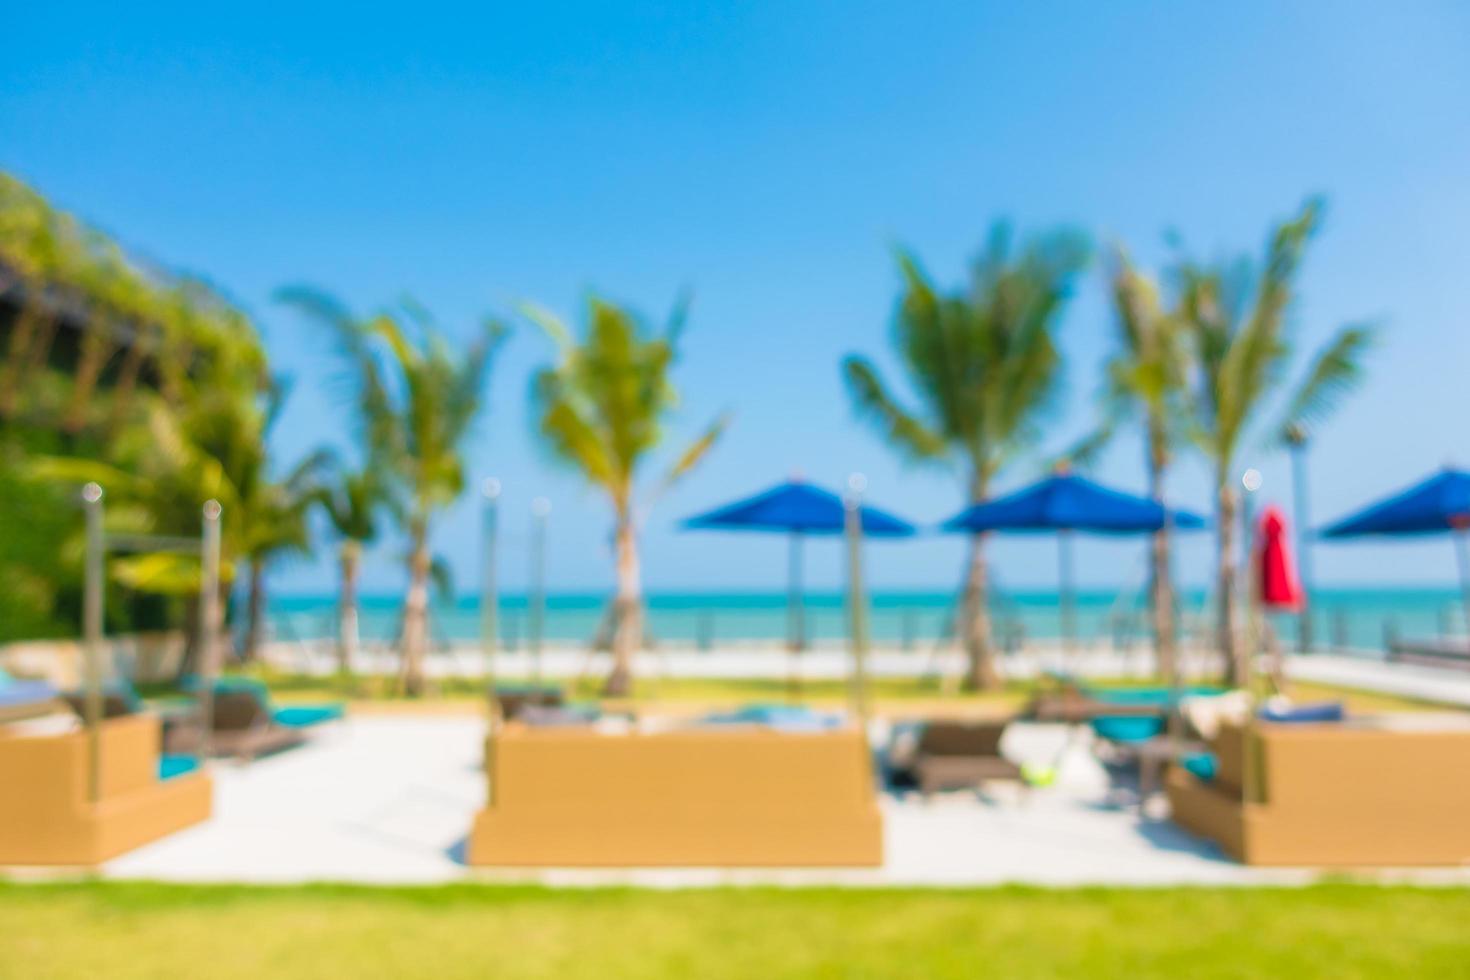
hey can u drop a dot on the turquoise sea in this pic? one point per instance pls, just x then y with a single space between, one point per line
1359 618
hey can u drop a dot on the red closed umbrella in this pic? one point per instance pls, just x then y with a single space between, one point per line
1281 589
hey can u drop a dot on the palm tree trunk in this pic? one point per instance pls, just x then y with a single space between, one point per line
627 609
347 619
96 351
1166 636
127 383
16 357
254 612
416 613
981 673
1227 637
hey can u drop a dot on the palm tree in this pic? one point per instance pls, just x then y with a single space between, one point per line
1236 320
1337 370
1145 381
351 500
985 367
417 401
117 294
39 247
602 408
271 514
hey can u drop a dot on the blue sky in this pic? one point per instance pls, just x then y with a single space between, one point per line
770 156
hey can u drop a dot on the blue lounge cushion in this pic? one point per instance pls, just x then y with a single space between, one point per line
170 766
1201 765
1320 711
1128 728
789 718
20 694
306 715
1158 696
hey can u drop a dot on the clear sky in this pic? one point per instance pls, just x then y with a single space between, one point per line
770 155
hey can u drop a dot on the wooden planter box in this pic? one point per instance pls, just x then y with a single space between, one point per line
1336 795
709 798
46 817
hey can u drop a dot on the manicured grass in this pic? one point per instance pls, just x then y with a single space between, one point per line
892 695
124 931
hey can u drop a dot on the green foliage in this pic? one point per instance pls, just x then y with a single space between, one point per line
1237 319
416 397
983 360
1145 378
603 406
165 402
351 500
1336 371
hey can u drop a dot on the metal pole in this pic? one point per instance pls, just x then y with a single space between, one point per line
489 592
795 615
1303 541
795 604
1462 554
1252 482
1173 668
540 508
92 637
209 559
1068 599
857 603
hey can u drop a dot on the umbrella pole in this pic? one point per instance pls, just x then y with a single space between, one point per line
1250 761
208 625
92 638
489 595
540 509
1462 555
1173 668
1066 596
857 605
795 616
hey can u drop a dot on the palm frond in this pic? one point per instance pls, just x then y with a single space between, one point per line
873 402
1336 371
695 452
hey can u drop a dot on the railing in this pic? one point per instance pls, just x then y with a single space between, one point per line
1338 626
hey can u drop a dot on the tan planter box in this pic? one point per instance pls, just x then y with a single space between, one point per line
1338 795
46 817
709 798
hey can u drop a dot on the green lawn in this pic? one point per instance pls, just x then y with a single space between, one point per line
893 695
123 931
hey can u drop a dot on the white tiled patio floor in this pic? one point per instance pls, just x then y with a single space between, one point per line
389 799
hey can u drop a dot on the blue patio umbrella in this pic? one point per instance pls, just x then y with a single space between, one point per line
797 509
1433 506
1064 503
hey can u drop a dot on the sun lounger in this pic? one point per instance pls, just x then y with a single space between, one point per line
117 702
247 724
956 755
513 699
1430 653
244 728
